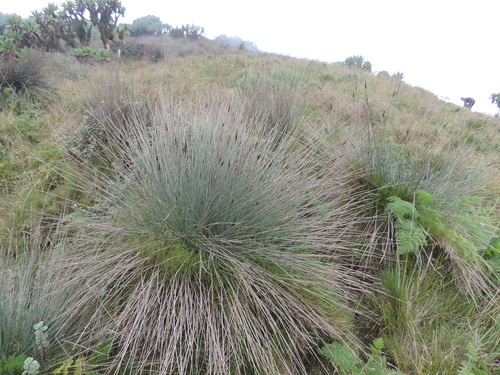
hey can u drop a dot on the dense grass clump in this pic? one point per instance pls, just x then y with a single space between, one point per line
273 101
218 251
431 225
26 298
432 205
25 77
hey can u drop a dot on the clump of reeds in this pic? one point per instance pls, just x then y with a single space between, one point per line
27 297
213 249
26 77
273 101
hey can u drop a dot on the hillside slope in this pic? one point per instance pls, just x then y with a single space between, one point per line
227 212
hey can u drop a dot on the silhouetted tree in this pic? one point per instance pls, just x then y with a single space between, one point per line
74 12
104 14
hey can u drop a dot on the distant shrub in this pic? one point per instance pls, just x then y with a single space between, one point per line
152 48
148 25
156 54
187 31
134 50
358 62
236 43
386 74
398 76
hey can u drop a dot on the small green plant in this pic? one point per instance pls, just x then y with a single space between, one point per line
83 54
492 255
85 364
103 56
27 122
470 365
87 139
410 235
342 357
41 336
345 360
31 367
72 366
12 365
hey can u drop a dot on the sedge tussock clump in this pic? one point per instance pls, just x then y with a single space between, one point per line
451 213
27 297
215 251
27 77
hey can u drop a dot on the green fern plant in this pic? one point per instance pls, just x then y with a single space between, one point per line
410 235
470 365
347 362
341 356
377 361
12 365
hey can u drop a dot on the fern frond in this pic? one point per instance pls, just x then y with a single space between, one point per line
409 233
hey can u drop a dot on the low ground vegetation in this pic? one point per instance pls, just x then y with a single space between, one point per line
214 211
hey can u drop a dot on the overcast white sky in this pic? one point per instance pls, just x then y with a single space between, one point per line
449 47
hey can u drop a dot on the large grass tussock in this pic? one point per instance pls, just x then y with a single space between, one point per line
217 252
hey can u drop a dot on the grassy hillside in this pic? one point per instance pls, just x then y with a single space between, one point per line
197 209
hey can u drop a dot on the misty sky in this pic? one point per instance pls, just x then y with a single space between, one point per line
449 47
